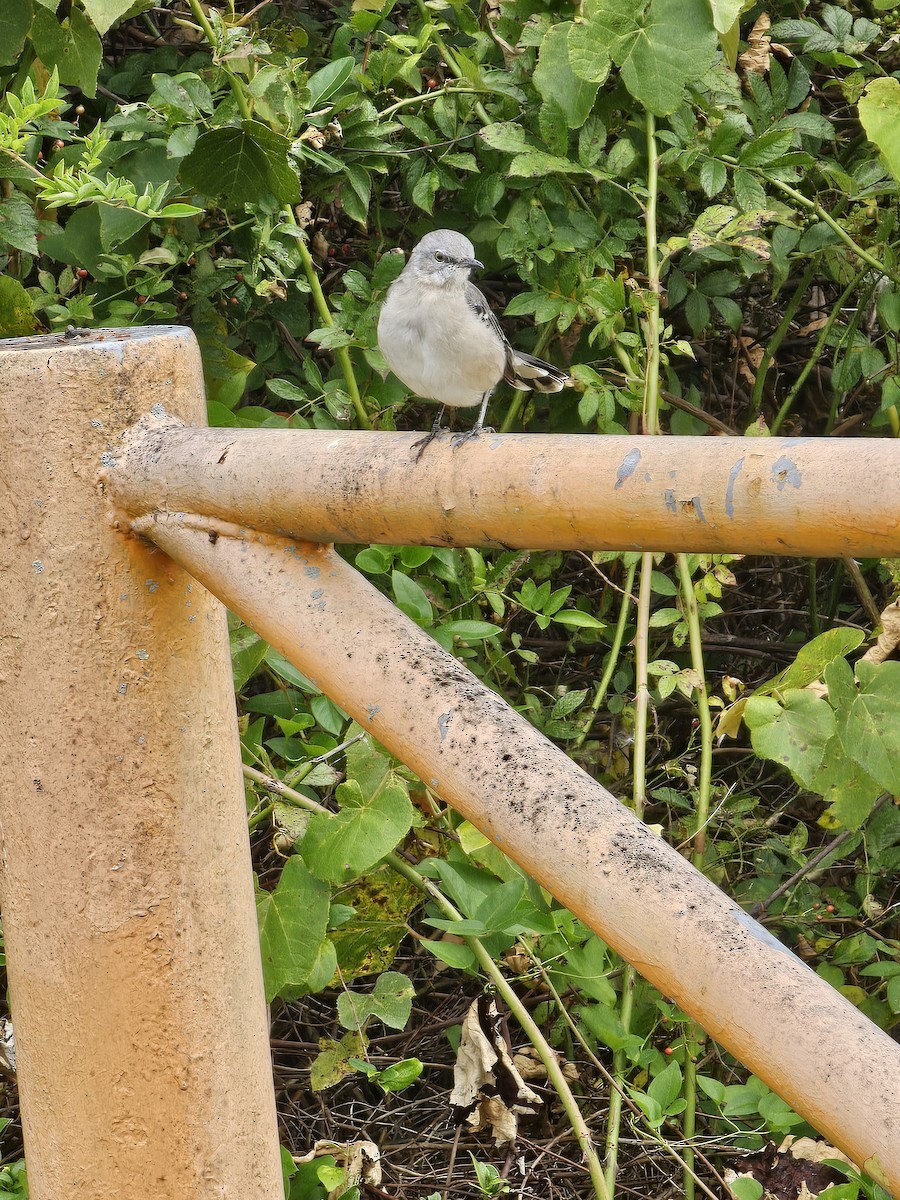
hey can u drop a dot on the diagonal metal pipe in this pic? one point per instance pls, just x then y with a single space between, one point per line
679 930
804 496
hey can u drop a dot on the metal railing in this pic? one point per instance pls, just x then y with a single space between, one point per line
126 891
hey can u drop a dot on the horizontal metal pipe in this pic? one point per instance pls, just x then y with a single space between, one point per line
801 496
681 932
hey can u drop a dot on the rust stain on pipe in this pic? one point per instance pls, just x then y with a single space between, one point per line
681 932
805 496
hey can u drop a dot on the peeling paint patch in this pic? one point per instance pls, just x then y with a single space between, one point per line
627 467
312 572
159 410
434 784
108 459
443 723
152 585
670 499
698 509
38 566
317 593
143 655
729 491
785 471
373 710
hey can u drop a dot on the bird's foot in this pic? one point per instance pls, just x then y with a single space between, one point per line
436 430
474 432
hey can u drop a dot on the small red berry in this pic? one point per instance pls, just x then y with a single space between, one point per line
82 273
829 908
668 1050
140 299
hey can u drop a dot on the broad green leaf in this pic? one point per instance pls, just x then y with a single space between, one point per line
411 599
455 955
794 733
507 136
73 47
15 22
243 164
555 80
16 316
343 845
390 1002
870 729
849 789
400 1075
247 652
606 1027
674 44
535 164
666 1087
879 112
292 932
332 1064
574 618
104 13
325 83
588 56
813 658
725 13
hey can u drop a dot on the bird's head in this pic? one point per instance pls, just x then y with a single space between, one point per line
443 258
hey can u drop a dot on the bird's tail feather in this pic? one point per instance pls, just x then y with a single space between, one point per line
525 372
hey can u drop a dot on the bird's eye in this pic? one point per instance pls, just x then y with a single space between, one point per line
439 256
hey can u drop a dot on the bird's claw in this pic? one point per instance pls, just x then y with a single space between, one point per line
426 441
474 432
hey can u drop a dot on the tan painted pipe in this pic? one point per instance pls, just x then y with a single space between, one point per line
680 931
126 889
808 496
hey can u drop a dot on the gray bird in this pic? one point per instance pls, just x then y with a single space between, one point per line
440 337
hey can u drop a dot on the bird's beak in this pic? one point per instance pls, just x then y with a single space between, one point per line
473 264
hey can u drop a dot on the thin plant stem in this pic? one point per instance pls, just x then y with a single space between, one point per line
778 337
789 399
341 354
450 60
238 89
693 1033
611 662
652 335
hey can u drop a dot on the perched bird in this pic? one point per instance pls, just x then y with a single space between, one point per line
440 337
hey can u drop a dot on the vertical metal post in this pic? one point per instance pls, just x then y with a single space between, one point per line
126 889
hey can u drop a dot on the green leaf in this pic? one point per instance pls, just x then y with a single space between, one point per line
73 47
713 176
573 618
665 1089
292 932
104 13
242 163
15 22
588 57
343 845
555 80
813 658
879 112
400 1075
329 80
390 1002
870 728
657 60
794 733
849 789
16 315
461 958
411 599
470 631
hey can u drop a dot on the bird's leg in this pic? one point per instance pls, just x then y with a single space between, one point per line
478 427
436 429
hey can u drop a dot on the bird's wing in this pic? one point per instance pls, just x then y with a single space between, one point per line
523 371
485 314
